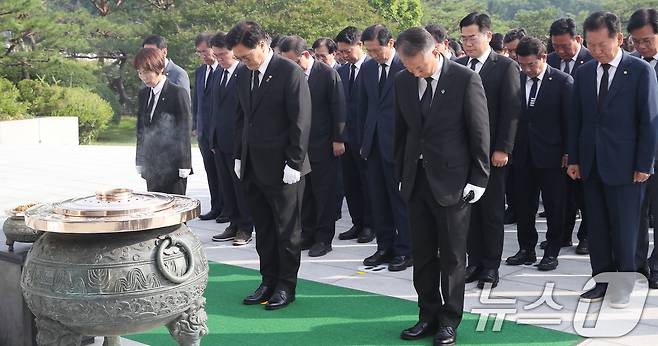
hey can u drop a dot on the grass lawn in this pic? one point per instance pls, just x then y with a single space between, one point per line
122 133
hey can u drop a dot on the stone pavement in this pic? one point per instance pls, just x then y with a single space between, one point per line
40 174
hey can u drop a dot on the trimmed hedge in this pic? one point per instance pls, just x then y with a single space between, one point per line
10 106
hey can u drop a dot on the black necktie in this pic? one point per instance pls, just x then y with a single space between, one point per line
473 63
352 76
209 78
224 80
533 92
567 70
603 87
150 104
648 59
426 100
255 81
382 78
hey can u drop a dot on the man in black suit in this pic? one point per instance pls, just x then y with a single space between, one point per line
225 99
612 144
440 37
376 97
568 56
173 72
500 78
205 76
643 27
540 153
273 124
442 166
511 41
355 182
326 144
163 151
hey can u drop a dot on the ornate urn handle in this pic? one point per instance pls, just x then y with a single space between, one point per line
164 244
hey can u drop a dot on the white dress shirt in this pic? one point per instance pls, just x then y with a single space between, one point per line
263 67
481 59
572 62
155 91
307 72
422 83
358 65
388 66
528 84
214 68
611 71
231 70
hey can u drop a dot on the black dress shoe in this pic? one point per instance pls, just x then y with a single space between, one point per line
280 299
596 294
526 257
228 234
366 235
418 331
319 249
488 276
445 336
222 219
379 257
567 243
582 248
306 244
400 263
547 263
472 274
260 295
510 216
351 233
209 215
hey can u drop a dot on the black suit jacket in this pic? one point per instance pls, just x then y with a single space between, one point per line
202 101
328 104
353 124
543 128
273 129
500 78
163 142
454 139
224 108
584 56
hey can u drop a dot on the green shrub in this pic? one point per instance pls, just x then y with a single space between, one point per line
92 111
10 106
40 97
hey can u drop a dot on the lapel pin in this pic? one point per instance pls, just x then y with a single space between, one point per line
550 78
268 78
625 72
582 61
443 91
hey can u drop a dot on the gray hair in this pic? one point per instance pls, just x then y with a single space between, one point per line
414 41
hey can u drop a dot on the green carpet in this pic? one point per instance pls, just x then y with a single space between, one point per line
329 315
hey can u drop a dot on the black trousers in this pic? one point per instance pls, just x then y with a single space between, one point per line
235 203
613 223
356 187
340 188
436 229
175 187
318 212
509 193
528 182
487 231
649 207
216 200
276 211
575 200
389 211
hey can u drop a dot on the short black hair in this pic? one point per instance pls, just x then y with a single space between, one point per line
438 32
275 41
327 42
155 40
482 20
377 32
599 20
643 17
455 45
293 43
202 37
496 42
350 35
413 41
530 46
514 34
219 40
246 32
563 26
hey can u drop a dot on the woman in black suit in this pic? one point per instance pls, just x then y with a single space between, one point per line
163 127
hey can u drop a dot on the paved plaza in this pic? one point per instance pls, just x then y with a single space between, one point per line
40 174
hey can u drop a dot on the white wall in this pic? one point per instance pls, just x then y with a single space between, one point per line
41 130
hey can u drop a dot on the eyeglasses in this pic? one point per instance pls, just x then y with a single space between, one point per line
647 41
470 38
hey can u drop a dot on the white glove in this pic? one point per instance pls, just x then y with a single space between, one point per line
477 191
236 167
291 176
184 173
139 169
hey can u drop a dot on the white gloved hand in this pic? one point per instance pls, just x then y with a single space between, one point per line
184 173
477 191
139 169
291 176
236 167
